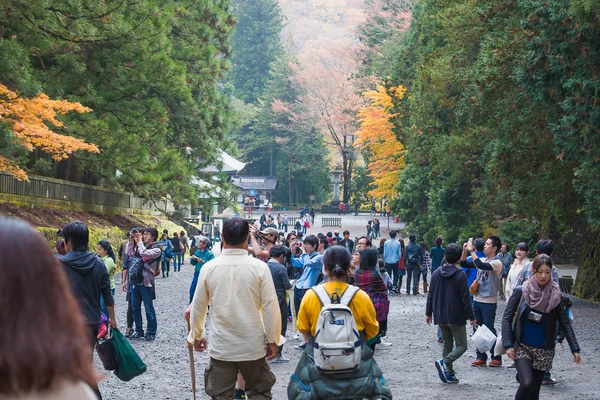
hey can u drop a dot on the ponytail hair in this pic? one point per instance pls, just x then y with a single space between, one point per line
108 248
336 261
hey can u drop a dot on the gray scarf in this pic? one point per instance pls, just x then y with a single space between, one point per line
541 299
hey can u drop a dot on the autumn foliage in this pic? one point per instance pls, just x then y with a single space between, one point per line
375 135
28 119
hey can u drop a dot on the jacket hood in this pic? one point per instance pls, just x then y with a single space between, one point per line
449 270
81 261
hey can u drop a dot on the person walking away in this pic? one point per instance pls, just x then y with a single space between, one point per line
177 252
369 280
413 257
144 247
425 267
217 233
46 351
198 259
367 382
312 215
285 222
282 285
506 259
256 309
392 253
356 209
449 305
401 266
437 254
536 308
167 254
311 264
377 227
88 279
186 246
485 302
107 255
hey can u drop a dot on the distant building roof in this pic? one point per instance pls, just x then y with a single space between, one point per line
230 164
254 182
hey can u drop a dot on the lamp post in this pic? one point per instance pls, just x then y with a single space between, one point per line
336 179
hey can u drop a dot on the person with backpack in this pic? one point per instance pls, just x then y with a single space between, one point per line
144 266
167 254
413 257
449 306
339 363
177 252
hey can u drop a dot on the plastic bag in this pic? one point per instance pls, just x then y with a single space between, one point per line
483 339
107 352
130 364
499 347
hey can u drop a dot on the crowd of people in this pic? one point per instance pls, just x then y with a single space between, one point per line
336 291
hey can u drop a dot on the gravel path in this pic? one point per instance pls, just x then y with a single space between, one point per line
408 365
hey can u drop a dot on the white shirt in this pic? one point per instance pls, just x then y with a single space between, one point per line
244 311
513 276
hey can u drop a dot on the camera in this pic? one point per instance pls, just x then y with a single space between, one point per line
535 316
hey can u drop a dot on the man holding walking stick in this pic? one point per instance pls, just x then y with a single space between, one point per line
245 320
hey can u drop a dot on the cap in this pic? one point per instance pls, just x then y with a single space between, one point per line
203 239
270 231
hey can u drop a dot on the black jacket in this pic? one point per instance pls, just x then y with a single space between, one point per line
88 277
448 299
511 338
413 251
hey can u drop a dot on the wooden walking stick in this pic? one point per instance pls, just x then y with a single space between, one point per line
192 365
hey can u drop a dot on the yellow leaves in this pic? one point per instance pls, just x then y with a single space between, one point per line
376 134
28 119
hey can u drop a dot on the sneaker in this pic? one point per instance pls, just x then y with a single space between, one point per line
239 394
129 332
385 344
549 381
452 379
150 337
479 363
137 335
300 346
297 336
442 371
280 359
495 363
440 340
513 365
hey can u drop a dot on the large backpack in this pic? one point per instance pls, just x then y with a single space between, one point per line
337 345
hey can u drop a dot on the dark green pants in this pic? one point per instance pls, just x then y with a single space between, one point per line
453 334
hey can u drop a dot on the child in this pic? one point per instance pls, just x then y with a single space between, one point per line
384 274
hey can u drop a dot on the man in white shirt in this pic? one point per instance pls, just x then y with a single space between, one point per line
245 321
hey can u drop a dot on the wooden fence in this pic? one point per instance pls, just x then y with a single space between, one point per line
66 191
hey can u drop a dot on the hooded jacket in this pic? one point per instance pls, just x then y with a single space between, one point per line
448 299
89 279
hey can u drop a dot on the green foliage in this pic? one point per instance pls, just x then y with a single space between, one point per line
500 121
149 70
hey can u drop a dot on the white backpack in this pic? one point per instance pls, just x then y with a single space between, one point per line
337 346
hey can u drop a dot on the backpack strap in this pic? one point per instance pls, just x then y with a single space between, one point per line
348 295
322 295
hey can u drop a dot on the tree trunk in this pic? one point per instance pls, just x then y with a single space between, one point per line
587 283
290 192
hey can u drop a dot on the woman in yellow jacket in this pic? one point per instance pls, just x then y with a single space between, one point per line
365 383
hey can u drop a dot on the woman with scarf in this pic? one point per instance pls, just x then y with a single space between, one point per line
529 327
368 279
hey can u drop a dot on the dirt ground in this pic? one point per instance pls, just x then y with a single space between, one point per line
408 365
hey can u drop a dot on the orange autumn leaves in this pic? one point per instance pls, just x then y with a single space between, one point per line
27 119
376 135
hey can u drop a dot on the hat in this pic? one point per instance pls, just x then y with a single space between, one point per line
270 231
203 239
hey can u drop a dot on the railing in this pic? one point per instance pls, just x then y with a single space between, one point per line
331 221
56 189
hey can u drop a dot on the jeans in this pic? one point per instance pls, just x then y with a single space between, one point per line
138 295
298 296
177 261
103 306
193 285
129 315
166 267
485 314
393 268
452 334
285 227
414 271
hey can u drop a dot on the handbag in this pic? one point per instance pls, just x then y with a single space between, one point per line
483 339
474 287
107 352
130 364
